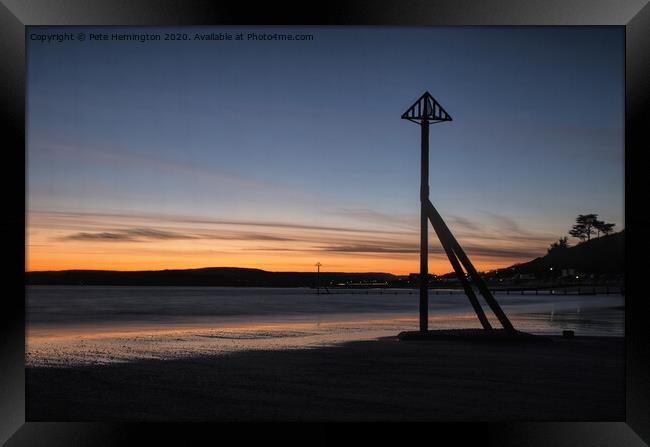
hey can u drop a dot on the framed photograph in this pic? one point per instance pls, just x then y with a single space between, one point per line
353 213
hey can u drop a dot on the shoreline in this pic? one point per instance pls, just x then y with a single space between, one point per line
382 379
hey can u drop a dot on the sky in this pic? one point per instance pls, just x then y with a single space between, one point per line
280 154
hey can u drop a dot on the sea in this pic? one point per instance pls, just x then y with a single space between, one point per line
68 325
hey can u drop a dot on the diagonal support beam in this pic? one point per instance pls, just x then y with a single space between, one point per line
460 274
441 228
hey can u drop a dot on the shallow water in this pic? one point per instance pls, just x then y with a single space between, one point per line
86 324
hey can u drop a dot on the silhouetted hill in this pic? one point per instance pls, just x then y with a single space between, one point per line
213 276
601 256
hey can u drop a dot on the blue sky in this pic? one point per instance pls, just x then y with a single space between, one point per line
310 131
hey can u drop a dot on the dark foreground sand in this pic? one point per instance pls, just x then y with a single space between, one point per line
387 379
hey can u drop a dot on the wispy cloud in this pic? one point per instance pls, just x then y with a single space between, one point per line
379 247
493 238
494 227
471 249
408 247
505 223
371 216
123 158
131 235
463 223
244 236
103 236
99 218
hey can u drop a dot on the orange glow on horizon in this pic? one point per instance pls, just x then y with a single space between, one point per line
58 241
297 263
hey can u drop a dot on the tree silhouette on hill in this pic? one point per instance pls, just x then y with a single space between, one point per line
561 243
604 228
587 225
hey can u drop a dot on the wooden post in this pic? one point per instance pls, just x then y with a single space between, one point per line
439 224
460 274
424 228
424 111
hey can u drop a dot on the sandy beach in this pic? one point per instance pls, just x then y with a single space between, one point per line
577 379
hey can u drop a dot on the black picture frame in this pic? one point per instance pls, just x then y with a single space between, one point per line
633 15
